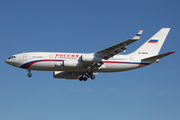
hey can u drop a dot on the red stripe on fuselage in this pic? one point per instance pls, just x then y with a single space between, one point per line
33 62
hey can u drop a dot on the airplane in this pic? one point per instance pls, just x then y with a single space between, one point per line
85 65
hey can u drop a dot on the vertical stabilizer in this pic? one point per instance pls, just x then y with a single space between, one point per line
153 45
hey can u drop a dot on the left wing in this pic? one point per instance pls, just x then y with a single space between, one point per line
115 49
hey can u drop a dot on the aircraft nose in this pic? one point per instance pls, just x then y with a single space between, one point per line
12 62
7 61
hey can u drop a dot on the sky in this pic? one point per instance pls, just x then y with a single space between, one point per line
84 26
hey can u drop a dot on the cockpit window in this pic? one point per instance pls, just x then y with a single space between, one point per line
12 57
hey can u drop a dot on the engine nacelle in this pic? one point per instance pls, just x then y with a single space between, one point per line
70 63
90 58
73 63
66 75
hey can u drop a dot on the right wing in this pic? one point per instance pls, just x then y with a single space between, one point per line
115 49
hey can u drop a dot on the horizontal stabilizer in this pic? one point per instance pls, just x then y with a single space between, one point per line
157 57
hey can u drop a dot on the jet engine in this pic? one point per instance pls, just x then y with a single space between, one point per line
66 75
73 63
70 63
90 58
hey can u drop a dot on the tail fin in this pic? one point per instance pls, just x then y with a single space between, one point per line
153 45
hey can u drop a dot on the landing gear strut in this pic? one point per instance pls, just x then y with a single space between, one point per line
29 74
90 75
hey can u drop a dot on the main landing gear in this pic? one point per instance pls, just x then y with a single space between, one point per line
29 74
88 74
83 78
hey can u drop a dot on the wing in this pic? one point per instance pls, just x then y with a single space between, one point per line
115 49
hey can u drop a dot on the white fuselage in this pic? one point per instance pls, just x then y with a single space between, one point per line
82 66
71 62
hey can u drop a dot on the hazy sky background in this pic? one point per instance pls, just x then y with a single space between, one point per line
149 93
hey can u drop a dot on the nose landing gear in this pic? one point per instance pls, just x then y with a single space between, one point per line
29 74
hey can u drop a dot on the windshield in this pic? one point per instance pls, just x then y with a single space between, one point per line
12 57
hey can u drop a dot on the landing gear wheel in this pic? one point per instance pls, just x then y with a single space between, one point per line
92 77
81 78
29 74
85 78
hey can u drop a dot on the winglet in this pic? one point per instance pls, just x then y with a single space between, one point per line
138 35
